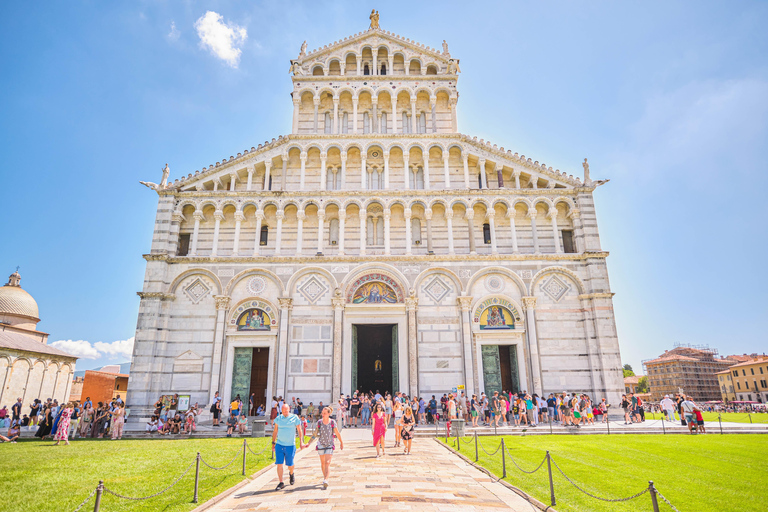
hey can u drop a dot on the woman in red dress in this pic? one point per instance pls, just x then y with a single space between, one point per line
62 431
379 428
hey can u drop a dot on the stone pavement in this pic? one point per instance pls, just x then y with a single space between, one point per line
431 478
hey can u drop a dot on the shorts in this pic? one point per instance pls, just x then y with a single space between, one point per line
235 413
700 422
285 454
474 414
325 451
690 418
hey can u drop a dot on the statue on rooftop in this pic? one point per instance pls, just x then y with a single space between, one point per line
585 165
445 49
374 19
303 51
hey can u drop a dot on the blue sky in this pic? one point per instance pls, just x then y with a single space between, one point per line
667 99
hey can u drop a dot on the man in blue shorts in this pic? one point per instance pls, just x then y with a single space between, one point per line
287 425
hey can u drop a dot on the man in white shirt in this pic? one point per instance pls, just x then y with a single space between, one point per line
690 418
668 406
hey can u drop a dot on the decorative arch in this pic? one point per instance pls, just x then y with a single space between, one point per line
252 272
450 274
197 271
557 270
291 287
498 270
384 273
253 314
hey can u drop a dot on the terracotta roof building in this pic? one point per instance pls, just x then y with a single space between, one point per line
689 370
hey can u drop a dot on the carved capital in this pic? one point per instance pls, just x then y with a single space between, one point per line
260 214
407 213
338 303
342 214
177 217
321 215
239 216
323 155
280 214
218 215
343 155
532 214
303 156
198 215
465 302
286 303
411 304
575 214
222 301
511 213
449 214
490 215
301 215
469 215
268 164
428 214
529 302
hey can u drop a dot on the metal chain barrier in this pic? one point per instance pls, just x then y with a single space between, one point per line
486 451
222 467
157 493
521 469
598 497
253 452
666 501
85 500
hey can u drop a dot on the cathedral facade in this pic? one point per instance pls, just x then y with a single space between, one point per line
376 247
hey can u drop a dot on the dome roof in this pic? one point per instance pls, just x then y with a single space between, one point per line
15 301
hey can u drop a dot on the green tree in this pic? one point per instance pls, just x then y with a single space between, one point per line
628 371
642 385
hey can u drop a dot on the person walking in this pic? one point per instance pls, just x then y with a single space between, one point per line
287 425
688 406
398 410
62 429
216 409
406 432
354 410
379 428
325 431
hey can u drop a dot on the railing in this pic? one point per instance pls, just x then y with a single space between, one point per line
651 489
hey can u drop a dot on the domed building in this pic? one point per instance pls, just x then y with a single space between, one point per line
29 368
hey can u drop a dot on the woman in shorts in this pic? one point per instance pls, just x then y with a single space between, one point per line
326 430
474 410
398 410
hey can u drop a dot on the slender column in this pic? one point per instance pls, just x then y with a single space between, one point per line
411 306
406 171
338 311
516 174
268 168
433 107
286 306
323 170
232 182
454 116
320 231
173 241
375 53
387 215
342 221
386 170
426 171
394 114
555 232
343 66
239 218
481 170
470 215
466 170
414 127
316 101
343 170
284 176
257 244
363 173
466 330
391 64
511 213
492 227
363 225
529 303
336 115
354 115
300 215
359 65
446 170
578 229
374 115
407 66
532 215
428 216
250 178
222 304
279 234
408 233
198 216
296 103
500 175
534 181
449 222
303 158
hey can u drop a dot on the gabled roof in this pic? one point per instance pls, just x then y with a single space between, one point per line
16 341
373 34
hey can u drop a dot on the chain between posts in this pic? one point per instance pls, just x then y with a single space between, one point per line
222 467
85 500
255 453
157 493
666 500
521 469
598 497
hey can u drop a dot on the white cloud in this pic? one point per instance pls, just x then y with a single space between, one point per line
86 350
174 34
223 40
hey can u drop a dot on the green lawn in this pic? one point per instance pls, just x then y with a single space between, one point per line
60 477
702 473
734 417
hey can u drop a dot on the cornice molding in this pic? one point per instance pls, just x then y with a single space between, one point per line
156 295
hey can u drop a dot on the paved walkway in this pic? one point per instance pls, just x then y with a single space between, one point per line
431 478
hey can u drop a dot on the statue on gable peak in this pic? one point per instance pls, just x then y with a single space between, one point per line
374 17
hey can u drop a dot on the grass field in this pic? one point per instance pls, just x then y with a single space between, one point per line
734 417
702 473
42 477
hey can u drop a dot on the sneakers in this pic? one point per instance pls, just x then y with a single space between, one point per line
280 486
325 484
292 479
